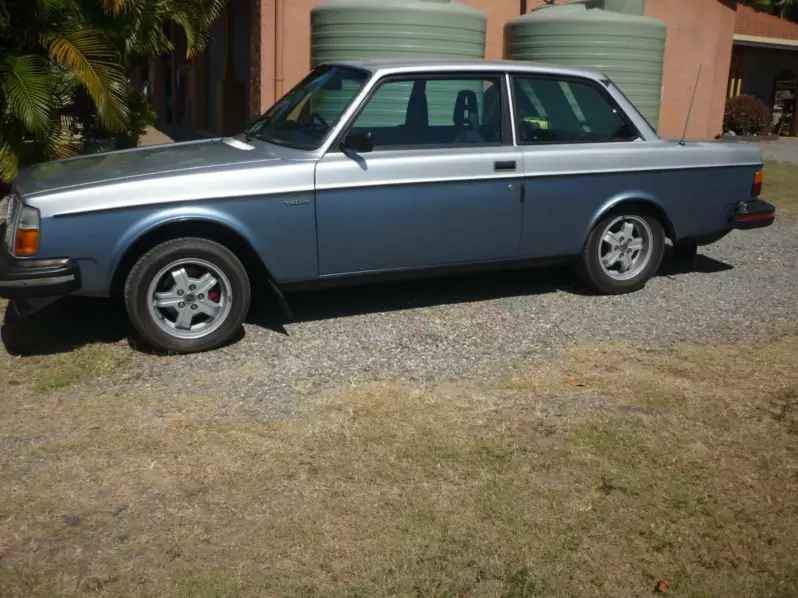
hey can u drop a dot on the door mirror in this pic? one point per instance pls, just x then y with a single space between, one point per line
358 143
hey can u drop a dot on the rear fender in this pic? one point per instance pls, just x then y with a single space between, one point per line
637 200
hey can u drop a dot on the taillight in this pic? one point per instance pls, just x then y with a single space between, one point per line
759 178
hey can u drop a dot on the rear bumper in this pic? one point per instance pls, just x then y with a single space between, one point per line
29 278
753 214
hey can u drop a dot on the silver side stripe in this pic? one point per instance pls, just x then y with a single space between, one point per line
516 175
418 181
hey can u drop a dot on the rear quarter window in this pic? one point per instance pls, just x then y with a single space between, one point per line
553 110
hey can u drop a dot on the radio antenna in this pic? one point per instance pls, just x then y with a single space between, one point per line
690 111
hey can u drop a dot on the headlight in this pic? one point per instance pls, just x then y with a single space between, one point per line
26 240
8 214
22 226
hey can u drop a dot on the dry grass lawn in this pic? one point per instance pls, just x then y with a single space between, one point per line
678 464
781 188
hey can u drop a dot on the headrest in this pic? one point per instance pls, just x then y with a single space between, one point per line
417 110
465 108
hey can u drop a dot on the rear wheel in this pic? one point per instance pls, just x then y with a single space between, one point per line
187 295
622 252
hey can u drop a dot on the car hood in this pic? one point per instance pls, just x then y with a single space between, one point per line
102 169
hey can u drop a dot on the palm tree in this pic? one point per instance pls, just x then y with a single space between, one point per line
138 26
57 55
47 49
786 9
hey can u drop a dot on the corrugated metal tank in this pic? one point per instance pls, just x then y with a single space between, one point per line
374 29
611 36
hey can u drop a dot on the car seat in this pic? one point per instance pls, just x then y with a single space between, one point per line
466 118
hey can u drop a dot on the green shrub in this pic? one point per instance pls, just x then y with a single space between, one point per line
747 115
142 115
98 139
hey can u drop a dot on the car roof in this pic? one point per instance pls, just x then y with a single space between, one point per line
403 65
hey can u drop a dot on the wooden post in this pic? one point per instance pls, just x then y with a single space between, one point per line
199 93
740 69
231 117
158 86
733 74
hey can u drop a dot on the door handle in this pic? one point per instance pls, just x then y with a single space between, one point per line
509 166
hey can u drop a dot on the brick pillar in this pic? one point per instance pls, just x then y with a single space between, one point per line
266 53
255 41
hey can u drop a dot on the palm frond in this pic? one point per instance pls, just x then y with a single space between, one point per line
9 163
27 90
48 9
115 6
195 17
207 12
5 19
86 54
147 33
61 141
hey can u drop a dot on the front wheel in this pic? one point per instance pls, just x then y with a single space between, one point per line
187 295
12 330
622 253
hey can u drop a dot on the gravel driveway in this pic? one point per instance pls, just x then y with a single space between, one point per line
438 330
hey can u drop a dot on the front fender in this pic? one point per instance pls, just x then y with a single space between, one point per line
281 230
150 222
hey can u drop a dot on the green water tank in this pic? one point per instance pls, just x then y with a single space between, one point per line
357 29
611 36
379 29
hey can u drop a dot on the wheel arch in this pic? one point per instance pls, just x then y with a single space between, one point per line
642 203
176 228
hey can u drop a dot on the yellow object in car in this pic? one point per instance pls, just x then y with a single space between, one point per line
540 123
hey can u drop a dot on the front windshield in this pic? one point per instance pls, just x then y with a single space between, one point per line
305 116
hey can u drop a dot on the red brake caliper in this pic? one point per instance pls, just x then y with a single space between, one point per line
214 295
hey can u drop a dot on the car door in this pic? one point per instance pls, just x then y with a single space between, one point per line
440 187
580 151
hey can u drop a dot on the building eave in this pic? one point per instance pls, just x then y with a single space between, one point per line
770 43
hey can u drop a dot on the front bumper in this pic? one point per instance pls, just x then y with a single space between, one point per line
28 278
753 214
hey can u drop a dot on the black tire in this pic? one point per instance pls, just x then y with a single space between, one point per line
148 267
590 269
12 331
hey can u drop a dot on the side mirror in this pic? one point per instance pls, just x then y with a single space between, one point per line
358 143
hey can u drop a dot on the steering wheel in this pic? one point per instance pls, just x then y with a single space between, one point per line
320 119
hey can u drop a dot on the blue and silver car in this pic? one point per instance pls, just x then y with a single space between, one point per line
367 169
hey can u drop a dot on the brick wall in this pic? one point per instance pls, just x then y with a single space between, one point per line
700 32
255 62
498 13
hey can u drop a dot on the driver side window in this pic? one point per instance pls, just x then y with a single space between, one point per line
550 110
429 112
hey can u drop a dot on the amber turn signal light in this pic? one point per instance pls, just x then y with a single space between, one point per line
759 178
26 242
26 239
